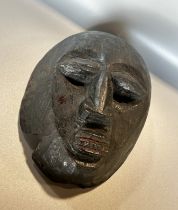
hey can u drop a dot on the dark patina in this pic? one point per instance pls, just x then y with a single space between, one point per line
84 107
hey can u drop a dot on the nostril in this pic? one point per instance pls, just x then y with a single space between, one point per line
97 121
95 125
92 119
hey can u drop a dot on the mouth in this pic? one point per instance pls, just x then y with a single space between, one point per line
90 145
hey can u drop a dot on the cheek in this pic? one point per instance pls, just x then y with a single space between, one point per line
128 125
66 98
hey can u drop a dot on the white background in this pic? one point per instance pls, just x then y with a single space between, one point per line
147 180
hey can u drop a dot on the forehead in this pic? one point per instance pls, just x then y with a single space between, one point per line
102 46
109 48
95 44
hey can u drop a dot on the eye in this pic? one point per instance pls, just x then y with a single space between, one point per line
74 81
125 91
77 74
123 96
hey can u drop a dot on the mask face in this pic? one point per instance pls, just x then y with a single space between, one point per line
99 95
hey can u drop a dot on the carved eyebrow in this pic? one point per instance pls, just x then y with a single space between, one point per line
77 64
115 67
127 83
85 53
89 63
128 71
81 70
125 78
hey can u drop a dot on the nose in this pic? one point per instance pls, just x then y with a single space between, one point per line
100 91
95 110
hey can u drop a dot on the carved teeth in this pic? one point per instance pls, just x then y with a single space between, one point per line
92 135
90 146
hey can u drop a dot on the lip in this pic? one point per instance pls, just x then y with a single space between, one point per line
90 145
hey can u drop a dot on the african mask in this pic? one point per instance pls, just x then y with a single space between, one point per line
84 107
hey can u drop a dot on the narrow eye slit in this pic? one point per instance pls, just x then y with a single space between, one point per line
74 81
123 97
125 91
